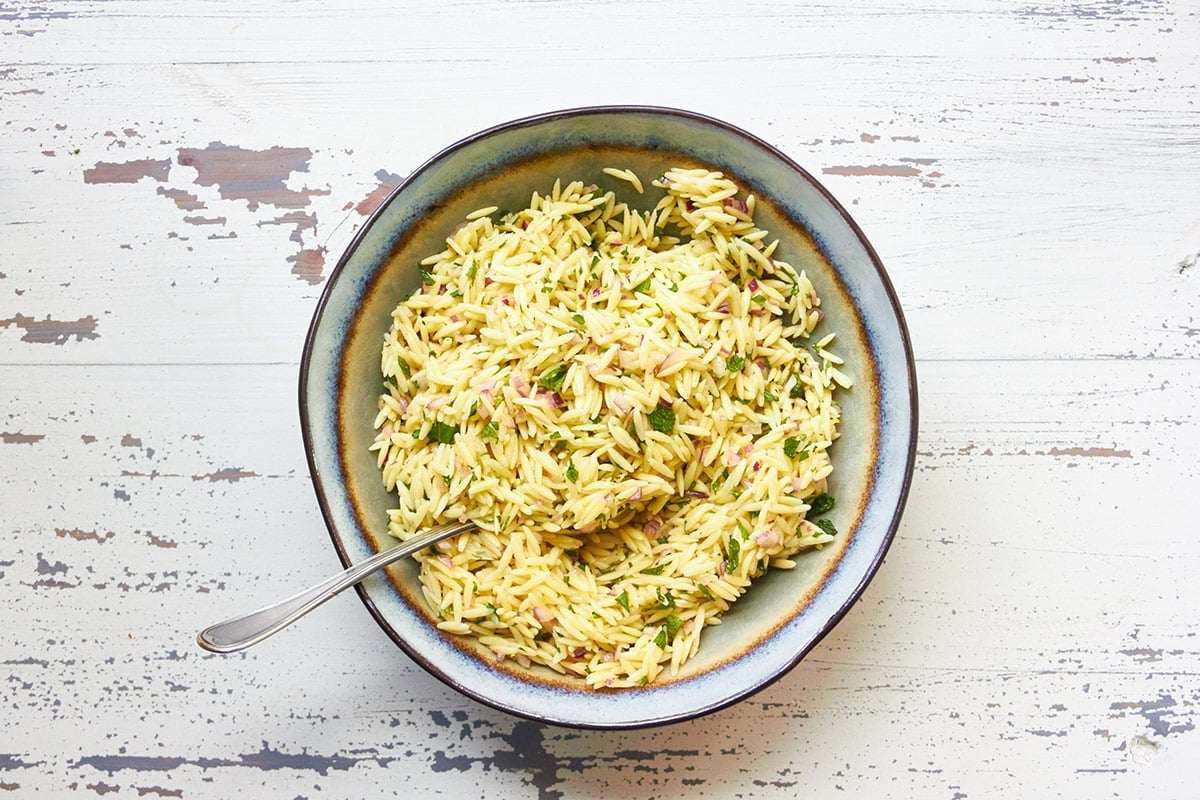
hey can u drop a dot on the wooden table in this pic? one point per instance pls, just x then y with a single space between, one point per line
177 180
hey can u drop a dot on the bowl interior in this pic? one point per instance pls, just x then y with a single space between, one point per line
786 612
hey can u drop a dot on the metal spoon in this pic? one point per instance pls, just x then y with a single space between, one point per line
241 632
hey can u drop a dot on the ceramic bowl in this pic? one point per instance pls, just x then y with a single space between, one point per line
785 613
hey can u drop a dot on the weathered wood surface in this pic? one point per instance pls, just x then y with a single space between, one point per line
177 180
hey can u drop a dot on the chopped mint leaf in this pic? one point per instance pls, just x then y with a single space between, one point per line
654 570
790 446
442 433
673 624
643 287
662 419
404 367
572 473
826 526
491 430
735 363
623 600
578 319
552 379
732 554
820 504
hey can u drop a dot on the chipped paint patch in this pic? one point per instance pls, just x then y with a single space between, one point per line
82 535
127 171
267 760
53 331
1087 452
168 544
232 474
184 200
1160 714
874 170
308 264
21 438
388 182
256 176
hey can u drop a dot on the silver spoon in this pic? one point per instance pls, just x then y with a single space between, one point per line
241 632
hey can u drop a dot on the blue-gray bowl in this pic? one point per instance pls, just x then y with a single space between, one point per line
785 613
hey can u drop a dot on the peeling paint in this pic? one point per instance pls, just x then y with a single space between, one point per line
184 200
164 543
129 440
1087 452
1160 714
231 474
877 170
256 176
127 171
21 438
44 567
83 536
308 264
53 331
267 760
388 182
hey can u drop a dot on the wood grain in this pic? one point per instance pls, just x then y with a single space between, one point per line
177 181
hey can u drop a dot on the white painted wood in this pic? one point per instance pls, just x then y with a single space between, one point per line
1028 175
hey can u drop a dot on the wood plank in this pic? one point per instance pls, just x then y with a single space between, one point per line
966 639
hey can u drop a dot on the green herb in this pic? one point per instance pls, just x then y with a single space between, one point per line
661 639
662 539
665 600
578 318
546 288
769 398
643 287
820 504
555 435
595 261
442 433
704 590
472 271
797 388
552 379
742 530
758 299
572 473
803 455
826 526
789 447
662 419
474 408
674 287
673 624
446 480
390 380
731 554
654 570
623 600
426 276
404 367
735 363
491 430
456 294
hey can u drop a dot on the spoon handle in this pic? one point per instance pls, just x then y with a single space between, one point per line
241 632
